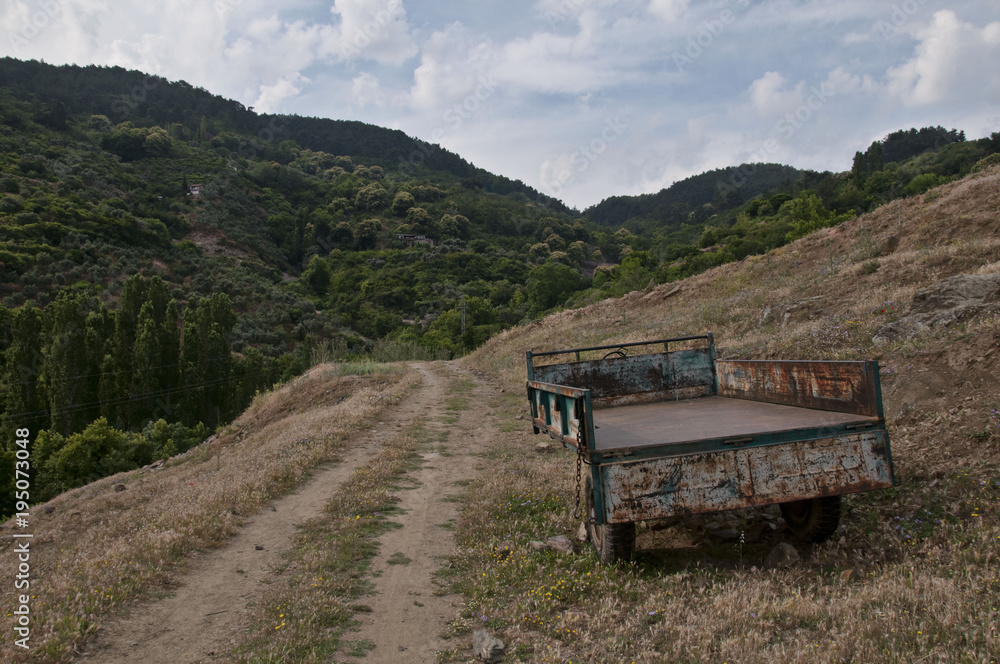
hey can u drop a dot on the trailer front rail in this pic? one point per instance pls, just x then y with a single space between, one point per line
562 412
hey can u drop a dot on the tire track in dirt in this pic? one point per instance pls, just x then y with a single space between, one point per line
408 612
202 618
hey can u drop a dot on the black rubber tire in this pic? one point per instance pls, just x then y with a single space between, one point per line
813 520
614 542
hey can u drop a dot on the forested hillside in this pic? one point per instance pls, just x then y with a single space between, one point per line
166 253
701 195
729 214
146 100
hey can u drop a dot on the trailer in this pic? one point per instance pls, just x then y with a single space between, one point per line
672 431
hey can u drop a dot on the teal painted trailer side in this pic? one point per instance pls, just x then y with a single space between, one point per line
684 433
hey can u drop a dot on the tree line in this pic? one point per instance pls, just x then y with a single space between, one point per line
148 375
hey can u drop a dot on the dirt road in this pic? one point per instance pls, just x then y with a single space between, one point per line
202 618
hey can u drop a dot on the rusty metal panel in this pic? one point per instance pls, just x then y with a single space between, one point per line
638 378
748 477
844 387
559 411
712 418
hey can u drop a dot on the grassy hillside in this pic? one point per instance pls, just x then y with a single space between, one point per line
99 548
911 576
728 214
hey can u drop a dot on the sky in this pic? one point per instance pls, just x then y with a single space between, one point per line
581 99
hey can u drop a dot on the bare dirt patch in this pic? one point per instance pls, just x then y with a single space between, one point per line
411 610
214 242
207 603
208 606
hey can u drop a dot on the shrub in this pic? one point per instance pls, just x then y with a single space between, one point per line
922 183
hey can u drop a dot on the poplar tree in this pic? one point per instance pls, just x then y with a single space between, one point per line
126 324
193 364
6 318
100 332
219 392
206 360
27 401
170 358
860 169
154 355
66 370
146 358
875 157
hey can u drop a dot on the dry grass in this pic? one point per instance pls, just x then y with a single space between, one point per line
304 615
100 548
913 573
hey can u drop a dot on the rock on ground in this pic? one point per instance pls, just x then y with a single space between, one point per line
783 555
487 647
950 300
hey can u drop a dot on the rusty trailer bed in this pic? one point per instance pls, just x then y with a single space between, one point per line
707 418
674 431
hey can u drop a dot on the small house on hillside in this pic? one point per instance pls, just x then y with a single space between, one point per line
196 190
411 240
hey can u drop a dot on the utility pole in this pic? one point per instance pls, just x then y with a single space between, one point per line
463 318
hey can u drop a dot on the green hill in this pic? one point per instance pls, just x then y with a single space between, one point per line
722 189
57 93
728 214
166 253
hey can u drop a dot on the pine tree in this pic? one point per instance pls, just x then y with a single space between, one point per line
860 169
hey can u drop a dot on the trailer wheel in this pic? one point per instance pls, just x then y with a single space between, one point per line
614 542
812 520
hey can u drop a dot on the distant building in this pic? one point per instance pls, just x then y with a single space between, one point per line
196 189
411 240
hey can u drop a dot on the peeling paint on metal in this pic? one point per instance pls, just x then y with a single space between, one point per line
817 457
846 387
635 379
656 488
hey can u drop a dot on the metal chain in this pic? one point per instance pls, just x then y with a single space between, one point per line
579 475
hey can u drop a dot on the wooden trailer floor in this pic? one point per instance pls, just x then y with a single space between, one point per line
671 422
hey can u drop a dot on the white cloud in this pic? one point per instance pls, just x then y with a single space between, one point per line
272 96
768 95
551 63
375 29
954 61
842 83
365 91
669 11
453 64
600 54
